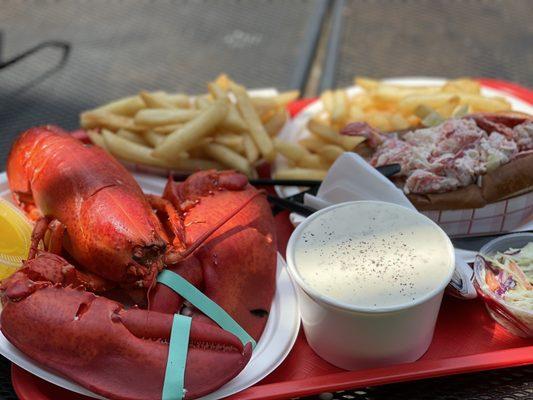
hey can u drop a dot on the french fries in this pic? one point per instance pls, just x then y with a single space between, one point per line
130 151
313 161
224 128
250 149
233 121
328 134
462 86
327 101
488 104
391 107
409 103
339 106
155 99
275 122
186 137
264 104
127 106
179 100
385 106
291 151
161 116
107 119
153 138
330 152
300 173
255 127
229 128
312 156
228 157
167 128
130 136
96 138
283 99
313 143
231 140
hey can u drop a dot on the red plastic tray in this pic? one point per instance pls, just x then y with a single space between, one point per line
466 340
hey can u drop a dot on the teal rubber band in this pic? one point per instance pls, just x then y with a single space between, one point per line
173 386
204 304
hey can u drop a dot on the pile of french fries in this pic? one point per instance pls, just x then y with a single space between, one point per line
229 128
385 106
225 128
312 156
390 107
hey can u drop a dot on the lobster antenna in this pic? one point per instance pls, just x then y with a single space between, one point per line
222 221
153 282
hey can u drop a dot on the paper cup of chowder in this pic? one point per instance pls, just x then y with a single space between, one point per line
370 278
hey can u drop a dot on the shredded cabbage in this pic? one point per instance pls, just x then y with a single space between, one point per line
509 275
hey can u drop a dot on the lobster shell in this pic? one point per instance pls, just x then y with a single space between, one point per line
237 262
110 227
220 237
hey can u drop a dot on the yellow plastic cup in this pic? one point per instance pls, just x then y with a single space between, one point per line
15 238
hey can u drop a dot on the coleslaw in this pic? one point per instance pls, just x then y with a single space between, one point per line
509 276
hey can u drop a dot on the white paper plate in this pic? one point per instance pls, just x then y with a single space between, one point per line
277 340
296 128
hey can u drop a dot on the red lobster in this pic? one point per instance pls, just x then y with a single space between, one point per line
78 307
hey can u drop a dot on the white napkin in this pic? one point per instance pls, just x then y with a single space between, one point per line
351 178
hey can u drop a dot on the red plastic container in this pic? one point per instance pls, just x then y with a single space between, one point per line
466 340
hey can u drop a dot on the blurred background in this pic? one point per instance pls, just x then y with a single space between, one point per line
95 51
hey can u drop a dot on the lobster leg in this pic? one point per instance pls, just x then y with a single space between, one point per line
39 230
55 242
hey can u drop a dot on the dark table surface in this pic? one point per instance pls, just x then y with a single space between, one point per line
439 38
118 47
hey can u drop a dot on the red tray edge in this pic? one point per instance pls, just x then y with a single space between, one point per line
513 89
397 373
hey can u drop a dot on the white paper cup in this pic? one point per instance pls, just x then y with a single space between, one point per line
354 337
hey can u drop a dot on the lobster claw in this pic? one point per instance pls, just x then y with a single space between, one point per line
116 352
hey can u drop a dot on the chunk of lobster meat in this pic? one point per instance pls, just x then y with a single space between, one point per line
372 135
508 119
114 352
490 124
